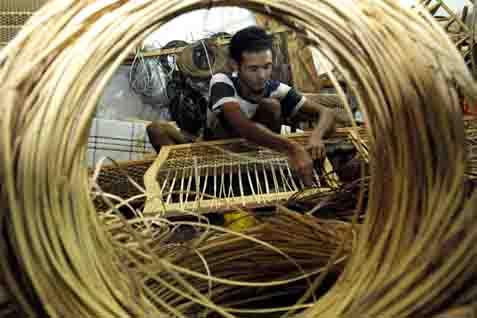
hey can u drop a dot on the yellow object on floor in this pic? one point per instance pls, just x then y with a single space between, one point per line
239 221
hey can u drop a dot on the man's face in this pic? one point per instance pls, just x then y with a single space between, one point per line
255 69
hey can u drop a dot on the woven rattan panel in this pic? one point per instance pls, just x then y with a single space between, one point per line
13 15
224 175
116 180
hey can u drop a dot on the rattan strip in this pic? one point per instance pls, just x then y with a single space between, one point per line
402 69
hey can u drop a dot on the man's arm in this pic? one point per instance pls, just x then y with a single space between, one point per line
327 118
253 131
299 158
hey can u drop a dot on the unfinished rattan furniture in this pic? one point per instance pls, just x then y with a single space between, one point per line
224 175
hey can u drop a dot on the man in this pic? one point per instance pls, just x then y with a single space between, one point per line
252 106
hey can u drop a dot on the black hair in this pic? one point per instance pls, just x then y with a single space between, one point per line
251 39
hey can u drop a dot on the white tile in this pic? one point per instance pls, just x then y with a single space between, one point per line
92 141
122 156
114 144
120 140
115 129
139 131
140 125
115 155
140 135
137 156
115 135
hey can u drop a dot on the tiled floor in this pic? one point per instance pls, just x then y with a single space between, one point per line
119 140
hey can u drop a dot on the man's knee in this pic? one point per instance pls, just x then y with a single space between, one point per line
157 128
160 133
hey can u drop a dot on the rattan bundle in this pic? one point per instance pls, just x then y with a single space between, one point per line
259 265
55 70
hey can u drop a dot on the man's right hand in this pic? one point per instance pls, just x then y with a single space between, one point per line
298 157
301 163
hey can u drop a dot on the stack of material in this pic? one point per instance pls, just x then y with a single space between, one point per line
280 257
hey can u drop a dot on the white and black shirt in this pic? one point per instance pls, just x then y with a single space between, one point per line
224 88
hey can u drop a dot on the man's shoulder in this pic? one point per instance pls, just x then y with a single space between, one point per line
273 85
221 78
222 89
277 89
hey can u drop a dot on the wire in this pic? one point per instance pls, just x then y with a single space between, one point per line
208 59
146 76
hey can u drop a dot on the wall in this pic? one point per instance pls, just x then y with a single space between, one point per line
201 24
120 102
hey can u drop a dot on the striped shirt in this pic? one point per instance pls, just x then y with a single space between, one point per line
224 88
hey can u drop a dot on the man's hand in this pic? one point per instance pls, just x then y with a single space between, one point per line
299 159
316 148
302 164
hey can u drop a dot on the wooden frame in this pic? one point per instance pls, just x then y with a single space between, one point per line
176 169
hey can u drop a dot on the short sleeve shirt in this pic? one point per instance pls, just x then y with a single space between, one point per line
224 88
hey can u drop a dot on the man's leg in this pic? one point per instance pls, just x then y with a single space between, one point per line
162 133
269 114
